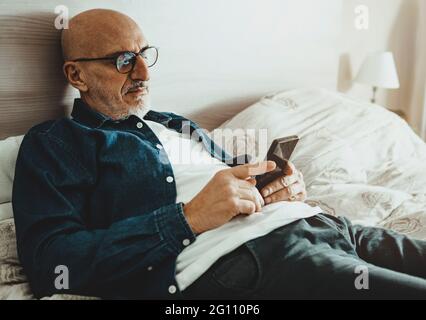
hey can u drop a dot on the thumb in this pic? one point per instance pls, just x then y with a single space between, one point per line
289 169
247 170
252 181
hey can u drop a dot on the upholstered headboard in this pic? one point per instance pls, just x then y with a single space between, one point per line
216 56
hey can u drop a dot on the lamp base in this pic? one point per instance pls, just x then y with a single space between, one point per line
373 99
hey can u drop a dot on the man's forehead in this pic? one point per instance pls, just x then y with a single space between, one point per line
119 41
101 32
123 47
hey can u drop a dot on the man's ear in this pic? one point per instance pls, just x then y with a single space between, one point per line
75 75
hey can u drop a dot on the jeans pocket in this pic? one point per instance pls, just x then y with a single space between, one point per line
237 271
332 221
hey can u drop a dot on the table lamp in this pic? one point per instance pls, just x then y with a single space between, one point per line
379 71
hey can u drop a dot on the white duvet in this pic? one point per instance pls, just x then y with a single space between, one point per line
359 160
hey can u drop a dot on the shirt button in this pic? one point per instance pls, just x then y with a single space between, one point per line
186 242
159 146
169 179
139 125
172 289
150 268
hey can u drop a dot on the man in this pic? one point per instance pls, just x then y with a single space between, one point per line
101 195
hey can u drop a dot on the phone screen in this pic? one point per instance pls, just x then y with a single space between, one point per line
280 152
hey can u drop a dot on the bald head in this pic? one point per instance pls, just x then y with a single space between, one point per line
98 32
103 33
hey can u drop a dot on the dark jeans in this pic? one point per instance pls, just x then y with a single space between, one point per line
319 257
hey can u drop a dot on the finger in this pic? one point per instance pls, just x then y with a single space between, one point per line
247 184
301 196
252 181
251 189
289 169
277 184
259 196
301 181
246 207
248 170
281 195
286 193
295 188
249 194
289 180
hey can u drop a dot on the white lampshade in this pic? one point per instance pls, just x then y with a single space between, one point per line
378 70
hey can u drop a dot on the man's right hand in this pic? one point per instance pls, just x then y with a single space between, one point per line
229 193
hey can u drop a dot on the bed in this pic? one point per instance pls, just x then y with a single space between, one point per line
359 160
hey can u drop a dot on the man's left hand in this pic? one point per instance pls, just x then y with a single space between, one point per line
289 187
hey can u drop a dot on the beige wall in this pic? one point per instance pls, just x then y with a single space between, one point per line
216 56
397 26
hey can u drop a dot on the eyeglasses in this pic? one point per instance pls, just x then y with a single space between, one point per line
125 61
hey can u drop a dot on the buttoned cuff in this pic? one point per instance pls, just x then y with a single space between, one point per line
174 228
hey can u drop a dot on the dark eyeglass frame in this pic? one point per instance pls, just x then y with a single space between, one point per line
116 56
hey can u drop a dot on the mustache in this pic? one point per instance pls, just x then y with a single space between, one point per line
137 84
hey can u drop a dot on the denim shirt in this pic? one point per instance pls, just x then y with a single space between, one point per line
95 208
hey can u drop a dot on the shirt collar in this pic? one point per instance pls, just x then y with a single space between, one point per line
84 114
158 117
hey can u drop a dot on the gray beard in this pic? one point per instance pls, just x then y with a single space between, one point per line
139 111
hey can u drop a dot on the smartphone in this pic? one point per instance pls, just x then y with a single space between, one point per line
280 152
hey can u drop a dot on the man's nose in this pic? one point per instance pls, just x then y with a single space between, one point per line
140 71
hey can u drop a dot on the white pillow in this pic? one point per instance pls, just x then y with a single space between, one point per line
6 211
8 153
332 126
